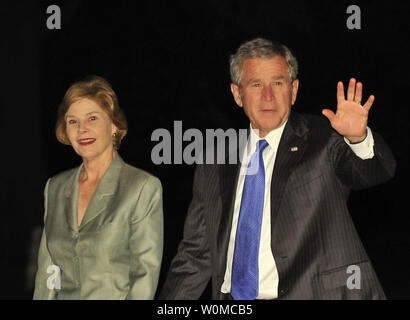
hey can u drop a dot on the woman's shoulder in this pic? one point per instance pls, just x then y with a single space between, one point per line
138 176
62 177
135 183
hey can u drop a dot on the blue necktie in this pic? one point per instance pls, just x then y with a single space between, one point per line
245 267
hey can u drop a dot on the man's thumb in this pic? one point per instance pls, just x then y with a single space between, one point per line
328 114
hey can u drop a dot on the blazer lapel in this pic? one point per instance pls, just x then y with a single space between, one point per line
228 179
104 192
292 146
71 199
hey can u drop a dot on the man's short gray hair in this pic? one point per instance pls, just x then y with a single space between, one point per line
264 49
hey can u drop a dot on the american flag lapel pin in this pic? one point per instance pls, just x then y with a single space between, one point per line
294 149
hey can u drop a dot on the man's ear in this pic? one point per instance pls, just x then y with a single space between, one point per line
236 94
295 88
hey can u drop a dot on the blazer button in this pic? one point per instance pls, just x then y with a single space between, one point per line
75 235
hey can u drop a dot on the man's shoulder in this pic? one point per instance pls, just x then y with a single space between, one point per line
313 121
317 127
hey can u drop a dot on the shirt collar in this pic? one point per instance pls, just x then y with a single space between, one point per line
272 138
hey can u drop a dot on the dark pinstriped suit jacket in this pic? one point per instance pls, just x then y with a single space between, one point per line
313 237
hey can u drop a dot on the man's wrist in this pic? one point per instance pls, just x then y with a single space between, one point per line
357 140
363 149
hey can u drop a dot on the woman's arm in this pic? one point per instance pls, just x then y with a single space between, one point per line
146 242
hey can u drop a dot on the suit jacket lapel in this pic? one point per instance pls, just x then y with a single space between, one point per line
228 176
104 192
228 179
293 144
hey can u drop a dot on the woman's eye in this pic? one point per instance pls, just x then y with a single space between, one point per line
93 118
71 121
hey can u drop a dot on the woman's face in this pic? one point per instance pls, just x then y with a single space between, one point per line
89 129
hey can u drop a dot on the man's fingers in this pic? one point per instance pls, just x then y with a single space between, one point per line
351 89
369 103
358 94
328 114
340 92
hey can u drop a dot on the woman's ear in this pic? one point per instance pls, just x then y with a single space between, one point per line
114 129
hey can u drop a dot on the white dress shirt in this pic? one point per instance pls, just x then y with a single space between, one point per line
268 274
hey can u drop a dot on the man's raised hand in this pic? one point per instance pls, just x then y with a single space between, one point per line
351 117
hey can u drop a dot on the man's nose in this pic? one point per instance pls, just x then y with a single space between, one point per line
267 93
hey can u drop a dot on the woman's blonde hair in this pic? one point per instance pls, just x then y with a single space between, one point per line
99 90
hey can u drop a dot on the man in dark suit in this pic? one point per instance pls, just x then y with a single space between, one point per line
283 232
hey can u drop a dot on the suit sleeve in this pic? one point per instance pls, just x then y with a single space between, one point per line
191 268
146 242
41 290
356 173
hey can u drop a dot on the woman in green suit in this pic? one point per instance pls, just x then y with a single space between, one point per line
103 221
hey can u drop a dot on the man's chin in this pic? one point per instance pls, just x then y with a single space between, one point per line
271 126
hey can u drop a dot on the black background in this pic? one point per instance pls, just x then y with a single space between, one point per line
168 61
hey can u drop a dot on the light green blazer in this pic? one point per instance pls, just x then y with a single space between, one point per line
117 250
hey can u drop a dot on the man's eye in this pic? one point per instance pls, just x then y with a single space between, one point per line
256 85
277 83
